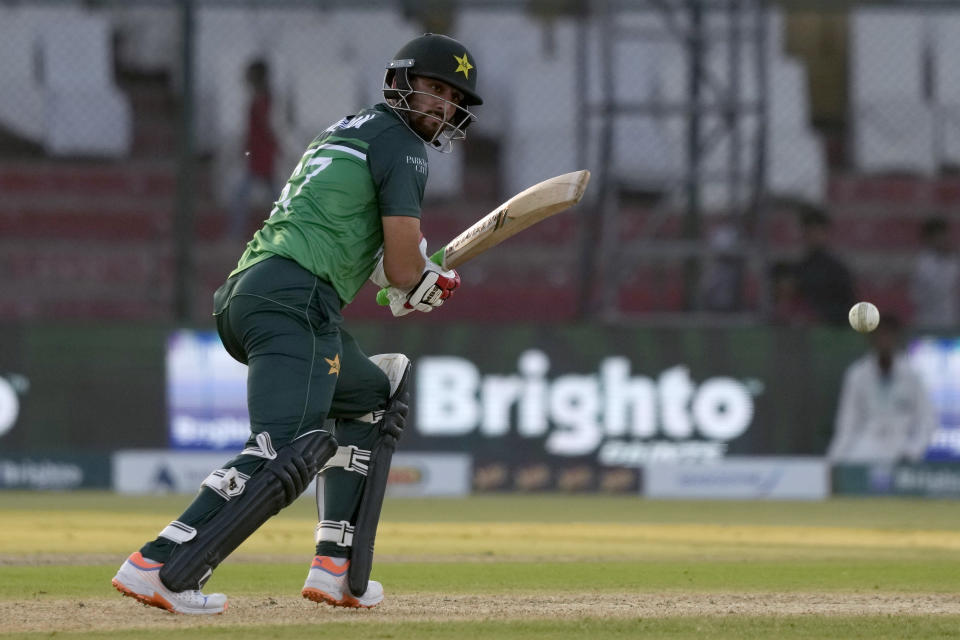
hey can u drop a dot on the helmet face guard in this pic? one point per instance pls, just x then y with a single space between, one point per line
440 58
398 89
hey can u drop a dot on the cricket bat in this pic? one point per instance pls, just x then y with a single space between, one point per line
523 210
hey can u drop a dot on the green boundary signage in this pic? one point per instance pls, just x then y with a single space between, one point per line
567 392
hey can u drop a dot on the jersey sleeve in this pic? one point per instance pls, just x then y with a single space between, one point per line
398 165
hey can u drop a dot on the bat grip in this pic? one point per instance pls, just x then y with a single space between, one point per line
383 299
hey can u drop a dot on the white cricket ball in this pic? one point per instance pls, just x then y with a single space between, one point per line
864 317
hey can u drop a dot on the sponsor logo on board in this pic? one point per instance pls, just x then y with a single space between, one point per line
623 419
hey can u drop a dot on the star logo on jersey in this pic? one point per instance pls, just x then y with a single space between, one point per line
463 65
334 364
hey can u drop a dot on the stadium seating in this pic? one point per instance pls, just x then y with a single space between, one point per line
540 137
318 73
653 288
94 237
147 36
508 39
946 86
85 112
646 154
892 118
70 104
21 101
225 40
659 69
797 160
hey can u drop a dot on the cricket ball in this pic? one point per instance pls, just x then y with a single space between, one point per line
864 317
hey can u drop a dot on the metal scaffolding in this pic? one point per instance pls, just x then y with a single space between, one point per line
712 110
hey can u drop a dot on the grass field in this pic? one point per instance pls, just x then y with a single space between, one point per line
514 567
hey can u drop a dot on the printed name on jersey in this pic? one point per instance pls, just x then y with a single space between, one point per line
336 125
359 121
351 122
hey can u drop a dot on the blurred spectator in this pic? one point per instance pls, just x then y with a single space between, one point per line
787 307
823 280
260 149
885 412
936 278
722 278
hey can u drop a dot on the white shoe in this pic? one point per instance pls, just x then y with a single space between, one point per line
327 582
139 578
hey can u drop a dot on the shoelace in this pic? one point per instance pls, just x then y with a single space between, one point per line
196 595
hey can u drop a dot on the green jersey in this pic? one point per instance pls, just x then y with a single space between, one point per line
327 218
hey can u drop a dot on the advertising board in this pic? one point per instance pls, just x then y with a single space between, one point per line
930 479
566 397
59 472
66 390
741 478
419 474
938 361
148 471
206 393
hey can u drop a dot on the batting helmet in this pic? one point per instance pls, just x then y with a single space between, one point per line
440 57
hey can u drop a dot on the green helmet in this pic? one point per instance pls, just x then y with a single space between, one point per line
440 57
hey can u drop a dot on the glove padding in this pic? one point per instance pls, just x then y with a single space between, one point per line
435 286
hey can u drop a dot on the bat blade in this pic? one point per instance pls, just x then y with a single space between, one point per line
523 210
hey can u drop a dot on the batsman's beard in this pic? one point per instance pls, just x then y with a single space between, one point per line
427 125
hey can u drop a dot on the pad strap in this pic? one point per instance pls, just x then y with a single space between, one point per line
339 531
178 532
370 418
350 458
263 448
226 483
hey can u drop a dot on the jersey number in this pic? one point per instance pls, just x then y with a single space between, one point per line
316 165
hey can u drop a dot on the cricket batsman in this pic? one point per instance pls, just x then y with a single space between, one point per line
349 212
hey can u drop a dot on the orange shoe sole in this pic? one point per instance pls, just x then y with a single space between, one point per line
324 598
156 600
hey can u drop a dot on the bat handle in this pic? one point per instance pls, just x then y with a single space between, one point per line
382 298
